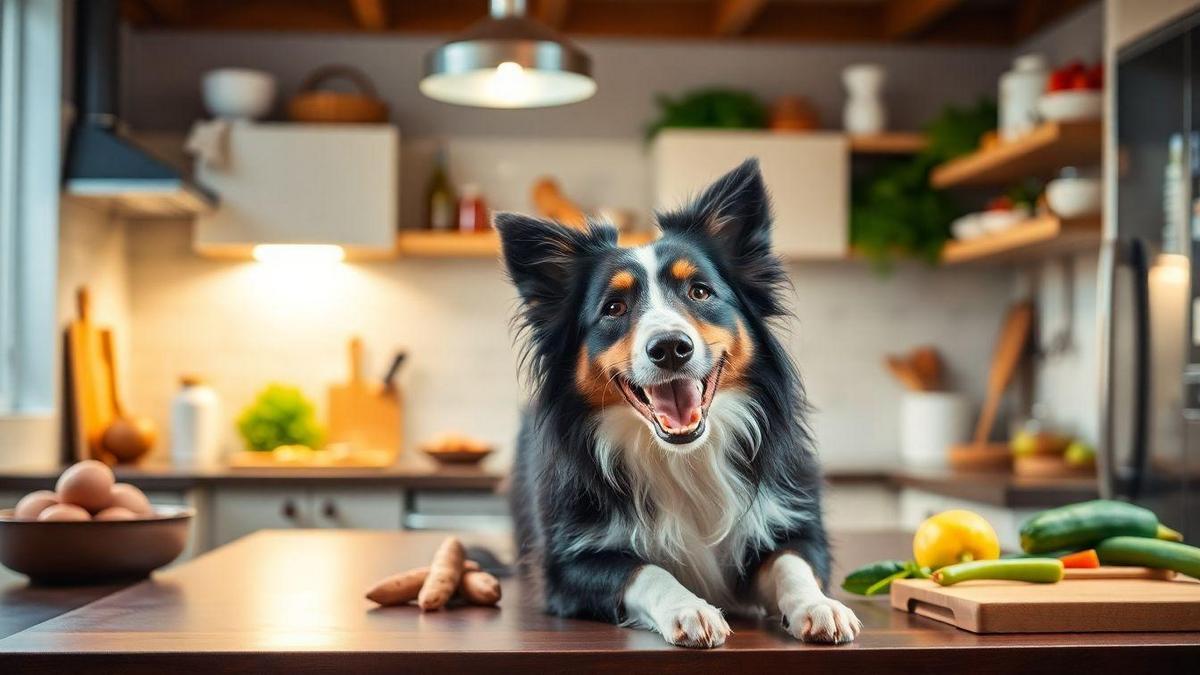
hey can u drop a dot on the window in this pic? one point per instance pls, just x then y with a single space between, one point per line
30 120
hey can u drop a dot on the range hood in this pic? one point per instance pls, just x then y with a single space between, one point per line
103 164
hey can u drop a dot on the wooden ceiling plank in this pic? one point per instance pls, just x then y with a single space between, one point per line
553 13
908 18
370 14
733 17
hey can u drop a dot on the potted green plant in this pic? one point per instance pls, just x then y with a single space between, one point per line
280 415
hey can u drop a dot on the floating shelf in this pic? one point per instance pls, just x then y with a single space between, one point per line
425 244
1037 238
896 143
1040 153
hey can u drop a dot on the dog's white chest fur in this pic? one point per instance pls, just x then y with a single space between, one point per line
694 514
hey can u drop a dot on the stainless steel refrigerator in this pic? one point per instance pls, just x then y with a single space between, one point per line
1149 299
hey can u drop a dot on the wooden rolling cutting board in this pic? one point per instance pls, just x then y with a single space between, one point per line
1070 606
365 414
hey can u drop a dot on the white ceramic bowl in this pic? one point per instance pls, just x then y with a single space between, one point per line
238 93
992 222
1072 105
1074 197
967 227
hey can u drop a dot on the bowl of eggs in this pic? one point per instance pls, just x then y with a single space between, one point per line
90 529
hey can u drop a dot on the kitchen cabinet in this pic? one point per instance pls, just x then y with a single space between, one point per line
807 175
304 184
240 511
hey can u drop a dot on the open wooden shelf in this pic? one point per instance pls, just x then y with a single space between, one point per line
890 143
1040 153
425 244
1036 238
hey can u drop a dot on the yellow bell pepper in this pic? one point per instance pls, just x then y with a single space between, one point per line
952 537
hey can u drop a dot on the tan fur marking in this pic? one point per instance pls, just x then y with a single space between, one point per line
682 269
736 347
622 281
594 377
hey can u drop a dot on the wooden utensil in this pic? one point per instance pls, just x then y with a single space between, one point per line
335 107
365 415
1072 605
1010 347
89 389
127 437
903 371
926 363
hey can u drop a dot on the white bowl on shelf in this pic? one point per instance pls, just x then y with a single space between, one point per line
967 227
1074 197
992 222
1071 105
238 93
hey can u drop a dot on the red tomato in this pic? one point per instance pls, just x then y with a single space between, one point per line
1095 76
1079 81
1001 203
1059 80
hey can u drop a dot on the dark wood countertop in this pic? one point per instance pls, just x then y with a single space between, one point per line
416 473
292 600
999 489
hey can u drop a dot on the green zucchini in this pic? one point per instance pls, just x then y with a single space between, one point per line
1142 552
1083 525
1034 570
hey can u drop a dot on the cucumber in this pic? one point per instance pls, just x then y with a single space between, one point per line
1083 525
1142 552
1034 570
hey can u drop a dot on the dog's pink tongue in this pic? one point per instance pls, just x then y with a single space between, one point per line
676 404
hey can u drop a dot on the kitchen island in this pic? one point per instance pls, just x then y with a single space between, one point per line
292 601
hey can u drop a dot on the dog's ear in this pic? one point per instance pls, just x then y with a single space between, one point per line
734 212
542 256
733 216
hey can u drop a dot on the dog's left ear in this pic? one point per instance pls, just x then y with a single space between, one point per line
734 215
734 212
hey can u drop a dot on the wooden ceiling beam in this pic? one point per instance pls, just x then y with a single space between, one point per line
553 13
370 14
733 17
909 18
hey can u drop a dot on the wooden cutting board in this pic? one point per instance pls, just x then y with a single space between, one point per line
1070 606
365 414
90 381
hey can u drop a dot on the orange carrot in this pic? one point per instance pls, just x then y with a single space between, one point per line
1081 560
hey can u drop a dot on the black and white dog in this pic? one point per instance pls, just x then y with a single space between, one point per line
664 468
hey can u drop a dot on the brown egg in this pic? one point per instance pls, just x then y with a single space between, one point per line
33 504
129 497
87 484
64 512
116 513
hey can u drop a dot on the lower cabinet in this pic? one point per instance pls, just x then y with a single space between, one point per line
237 512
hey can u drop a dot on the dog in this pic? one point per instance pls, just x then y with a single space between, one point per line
664 469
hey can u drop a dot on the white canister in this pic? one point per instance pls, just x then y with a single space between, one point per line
195 424
931 422
864 112
1020 90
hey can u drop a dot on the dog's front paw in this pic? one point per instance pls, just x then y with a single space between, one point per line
700 626
825 620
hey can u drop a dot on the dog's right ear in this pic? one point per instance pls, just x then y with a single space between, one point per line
539 255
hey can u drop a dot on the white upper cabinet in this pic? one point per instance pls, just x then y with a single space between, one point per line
304 184
807 175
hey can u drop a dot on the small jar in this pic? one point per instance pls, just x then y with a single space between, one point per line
472 211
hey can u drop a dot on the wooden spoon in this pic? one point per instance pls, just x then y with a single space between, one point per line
127 438
927 364
903 370
1010 347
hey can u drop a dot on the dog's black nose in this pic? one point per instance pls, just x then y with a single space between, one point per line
670 351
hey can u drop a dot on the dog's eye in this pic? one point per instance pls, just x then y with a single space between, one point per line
615 308
699 292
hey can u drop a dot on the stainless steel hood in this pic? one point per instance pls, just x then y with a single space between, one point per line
103 164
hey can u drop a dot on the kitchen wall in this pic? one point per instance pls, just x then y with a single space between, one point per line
242 324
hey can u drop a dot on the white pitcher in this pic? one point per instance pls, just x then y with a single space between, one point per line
864 112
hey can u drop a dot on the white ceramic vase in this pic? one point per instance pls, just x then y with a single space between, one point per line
864 112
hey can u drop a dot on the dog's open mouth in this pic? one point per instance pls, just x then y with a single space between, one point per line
677 410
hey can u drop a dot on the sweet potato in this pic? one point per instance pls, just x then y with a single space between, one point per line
399 588
480 588
445 571
402 588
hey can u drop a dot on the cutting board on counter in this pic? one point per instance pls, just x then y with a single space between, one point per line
365 414
1069 606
